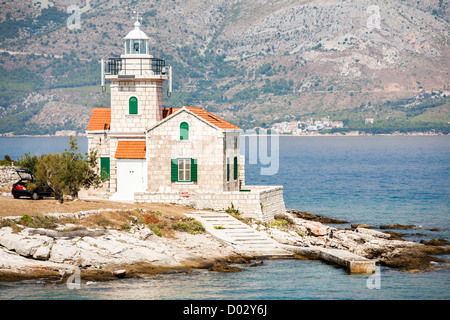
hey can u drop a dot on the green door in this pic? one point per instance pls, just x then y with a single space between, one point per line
104 168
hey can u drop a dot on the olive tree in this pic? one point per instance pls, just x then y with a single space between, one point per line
67 172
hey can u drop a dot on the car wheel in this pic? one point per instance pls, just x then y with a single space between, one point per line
16 196
35 196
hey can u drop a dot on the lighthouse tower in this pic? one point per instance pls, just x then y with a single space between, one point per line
136 85
119 133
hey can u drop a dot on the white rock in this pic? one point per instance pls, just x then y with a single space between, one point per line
42 253
63 251
316 228
373 233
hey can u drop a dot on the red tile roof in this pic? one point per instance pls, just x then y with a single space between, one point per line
100 119
211 118
130 150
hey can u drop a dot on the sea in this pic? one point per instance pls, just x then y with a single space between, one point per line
375 180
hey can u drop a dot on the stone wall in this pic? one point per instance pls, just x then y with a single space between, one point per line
8 176
149 94
259 202
207 144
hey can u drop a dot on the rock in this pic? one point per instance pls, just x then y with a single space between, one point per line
9 240
42 253
63 251
223 267
313 217
435 242
412 259
257 263
119 273
145 233
316 228
360 225
24 245
373 233
399 226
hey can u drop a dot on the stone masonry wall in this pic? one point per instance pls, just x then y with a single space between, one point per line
262 202
205 143
149 94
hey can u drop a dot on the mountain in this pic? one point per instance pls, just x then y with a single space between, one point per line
253 62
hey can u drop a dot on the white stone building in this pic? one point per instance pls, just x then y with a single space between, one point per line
171 155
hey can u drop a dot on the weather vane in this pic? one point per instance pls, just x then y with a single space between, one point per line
137 15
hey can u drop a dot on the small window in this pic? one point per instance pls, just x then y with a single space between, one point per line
184 131
133 105
183 170
135 47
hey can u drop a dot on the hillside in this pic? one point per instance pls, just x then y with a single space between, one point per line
252 62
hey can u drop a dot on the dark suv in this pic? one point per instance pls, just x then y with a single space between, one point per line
23 188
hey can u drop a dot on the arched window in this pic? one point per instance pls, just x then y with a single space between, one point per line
133 105
184 131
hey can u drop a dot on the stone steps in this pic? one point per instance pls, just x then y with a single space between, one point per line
239 235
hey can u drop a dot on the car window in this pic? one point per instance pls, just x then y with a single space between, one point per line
25 175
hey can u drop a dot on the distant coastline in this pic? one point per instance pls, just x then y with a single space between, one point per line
7 135
357 134
337 134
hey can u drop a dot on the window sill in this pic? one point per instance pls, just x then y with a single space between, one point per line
184 182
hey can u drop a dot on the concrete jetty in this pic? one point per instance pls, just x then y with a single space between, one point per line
247 240
353 263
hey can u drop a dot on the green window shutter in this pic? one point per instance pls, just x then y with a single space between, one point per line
174 170
228 169
104 168
133 105
193 169
235 167
184 131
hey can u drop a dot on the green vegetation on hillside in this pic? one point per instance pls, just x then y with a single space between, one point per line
11 27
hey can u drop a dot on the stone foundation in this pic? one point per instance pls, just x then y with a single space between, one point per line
258 202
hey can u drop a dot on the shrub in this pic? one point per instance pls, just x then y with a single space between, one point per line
150 218
125 226
232 211
9 223
66 173
156 230
278 223
39 222
189 225
104 222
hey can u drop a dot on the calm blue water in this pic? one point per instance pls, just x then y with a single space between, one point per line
372 180
16 147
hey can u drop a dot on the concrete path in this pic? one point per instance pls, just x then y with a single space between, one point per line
241 236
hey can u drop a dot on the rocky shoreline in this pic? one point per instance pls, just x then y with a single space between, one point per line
54 252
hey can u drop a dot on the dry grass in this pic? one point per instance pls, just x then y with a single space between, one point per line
163 219
24 206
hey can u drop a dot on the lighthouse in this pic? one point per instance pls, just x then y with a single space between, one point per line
119 132
184 155
136 85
